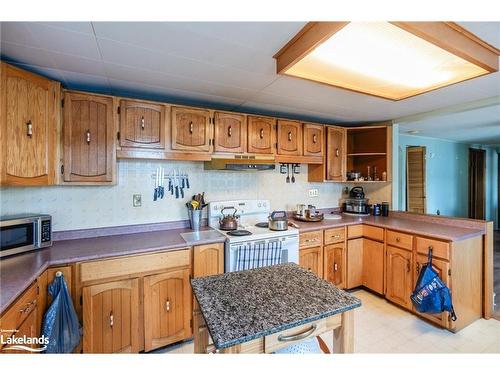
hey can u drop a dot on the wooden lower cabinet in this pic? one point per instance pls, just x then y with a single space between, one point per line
334 264
399 283
111 317
354 263
208 260
312 260
373 265
167 308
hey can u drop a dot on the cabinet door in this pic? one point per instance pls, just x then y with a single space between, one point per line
442 267
89 138
28 328
208 260
67 274
335 154
230 133
167 308
261 135
110 317
398 277
289 138
191 129
354 263
373 265
28 128
334 264
313 140
142 125
312 260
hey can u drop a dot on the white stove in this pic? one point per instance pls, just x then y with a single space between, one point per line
263 246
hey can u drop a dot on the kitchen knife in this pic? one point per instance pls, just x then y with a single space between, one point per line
176 183
155 194
162 188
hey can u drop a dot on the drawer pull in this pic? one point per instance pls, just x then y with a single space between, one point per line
142 123
336 236
28 306
111 319
167 305
398 239
29 129
312 240
308 332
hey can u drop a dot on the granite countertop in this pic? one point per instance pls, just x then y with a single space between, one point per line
19 271
242 306
431 229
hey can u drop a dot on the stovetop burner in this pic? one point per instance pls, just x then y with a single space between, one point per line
239 232
262 225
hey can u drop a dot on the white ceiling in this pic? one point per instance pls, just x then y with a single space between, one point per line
225 65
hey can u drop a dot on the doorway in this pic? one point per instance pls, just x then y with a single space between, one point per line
415 179
477 183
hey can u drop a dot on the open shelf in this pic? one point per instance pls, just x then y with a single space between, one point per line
368 154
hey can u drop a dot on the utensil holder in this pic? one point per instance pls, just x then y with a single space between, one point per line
195 219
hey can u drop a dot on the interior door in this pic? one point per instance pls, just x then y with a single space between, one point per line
28 128
167 308
191 129
230 133
335 154
110 317
334 264
399 277
415 179
261 135
142 125
89 138
477 185
289 138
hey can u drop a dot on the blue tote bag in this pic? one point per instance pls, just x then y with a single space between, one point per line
431 295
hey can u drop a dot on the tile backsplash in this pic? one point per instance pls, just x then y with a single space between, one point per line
81 207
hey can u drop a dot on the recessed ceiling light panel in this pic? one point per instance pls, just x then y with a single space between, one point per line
384 59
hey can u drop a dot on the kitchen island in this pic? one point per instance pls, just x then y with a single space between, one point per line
265 309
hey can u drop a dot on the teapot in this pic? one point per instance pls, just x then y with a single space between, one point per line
230 221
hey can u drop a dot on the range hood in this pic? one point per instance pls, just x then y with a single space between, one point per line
240 163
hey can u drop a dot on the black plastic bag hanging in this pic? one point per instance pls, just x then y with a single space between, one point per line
60 323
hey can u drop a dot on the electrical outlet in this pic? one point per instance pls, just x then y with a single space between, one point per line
313 192
137 200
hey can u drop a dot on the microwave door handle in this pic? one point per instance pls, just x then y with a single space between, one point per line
37 232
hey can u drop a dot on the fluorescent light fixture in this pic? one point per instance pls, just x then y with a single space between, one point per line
390 60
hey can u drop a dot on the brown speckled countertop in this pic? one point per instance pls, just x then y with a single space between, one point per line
408 225
19 271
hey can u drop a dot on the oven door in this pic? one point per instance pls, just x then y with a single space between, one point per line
17 236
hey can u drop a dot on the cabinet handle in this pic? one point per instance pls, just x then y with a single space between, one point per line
335 267
302 335
315 138
337 153
28 307
167 305
398 239
29 129
190 127
309 269
142 123
261 133
336 236
229 131
87 136
407 266
111 319
289 136
417 269
311 240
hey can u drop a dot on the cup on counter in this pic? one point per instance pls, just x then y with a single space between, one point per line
377 209
385 208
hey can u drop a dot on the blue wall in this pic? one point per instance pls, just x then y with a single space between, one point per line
446 174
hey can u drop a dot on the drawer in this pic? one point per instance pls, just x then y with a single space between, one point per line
334 235
402 240
440 249
126 266
311 239
355 231
297 334
20 310
375 233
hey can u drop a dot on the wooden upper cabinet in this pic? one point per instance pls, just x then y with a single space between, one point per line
289 138
230 132
261 135
334 264
191 129
89 138
167 308
111 317
313 140
398 276
28 128
142 125
335 154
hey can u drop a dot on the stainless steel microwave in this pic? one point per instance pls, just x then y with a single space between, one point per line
26 232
